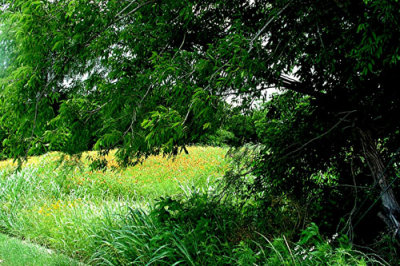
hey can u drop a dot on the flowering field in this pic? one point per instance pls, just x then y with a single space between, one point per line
63 206
116 217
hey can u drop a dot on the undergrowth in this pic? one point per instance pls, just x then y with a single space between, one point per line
198 230
162 212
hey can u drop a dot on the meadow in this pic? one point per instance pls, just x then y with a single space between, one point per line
163 211
63 206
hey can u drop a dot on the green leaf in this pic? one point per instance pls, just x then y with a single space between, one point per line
58 45
206 125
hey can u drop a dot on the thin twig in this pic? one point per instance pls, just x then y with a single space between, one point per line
265 26
180 47
321 135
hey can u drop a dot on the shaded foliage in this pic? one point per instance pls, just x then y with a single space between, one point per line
149 77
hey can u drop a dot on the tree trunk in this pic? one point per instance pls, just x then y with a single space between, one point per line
390 205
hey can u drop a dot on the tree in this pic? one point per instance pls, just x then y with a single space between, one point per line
148 77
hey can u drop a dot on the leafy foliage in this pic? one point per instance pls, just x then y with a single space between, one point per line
197 230
237 128
149 77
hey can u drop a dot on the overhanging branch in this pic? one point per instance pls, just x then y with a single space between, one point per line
294 85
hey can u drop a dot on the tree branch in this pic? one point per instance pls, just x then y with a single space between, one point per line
265 26
293 85
321 135
118 18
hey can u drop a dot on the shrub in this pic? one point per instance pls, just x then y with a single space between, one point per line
221 137
194 229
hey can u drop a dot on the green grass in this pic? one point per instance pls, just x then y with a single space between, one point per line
164 211
14 252
63 208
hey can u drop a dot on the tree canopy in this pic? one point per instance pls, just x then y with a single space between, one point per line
152 76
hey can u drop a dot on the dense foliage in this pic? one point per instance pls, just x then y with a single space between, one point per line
150 77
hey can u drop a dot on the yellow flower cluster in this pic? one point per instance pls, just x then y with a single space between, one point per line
59 205
201 162
32 161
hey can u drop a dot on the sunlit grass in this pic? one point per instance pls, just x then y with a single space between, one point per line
108 217
15 252
62 206
156 176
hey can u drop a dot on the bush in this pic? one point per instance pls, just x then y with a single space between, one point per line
194 229
237 128
311 249
220 138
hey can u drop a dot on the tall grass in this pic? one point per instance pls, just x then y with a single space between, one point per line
62 207
162 212
197 230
